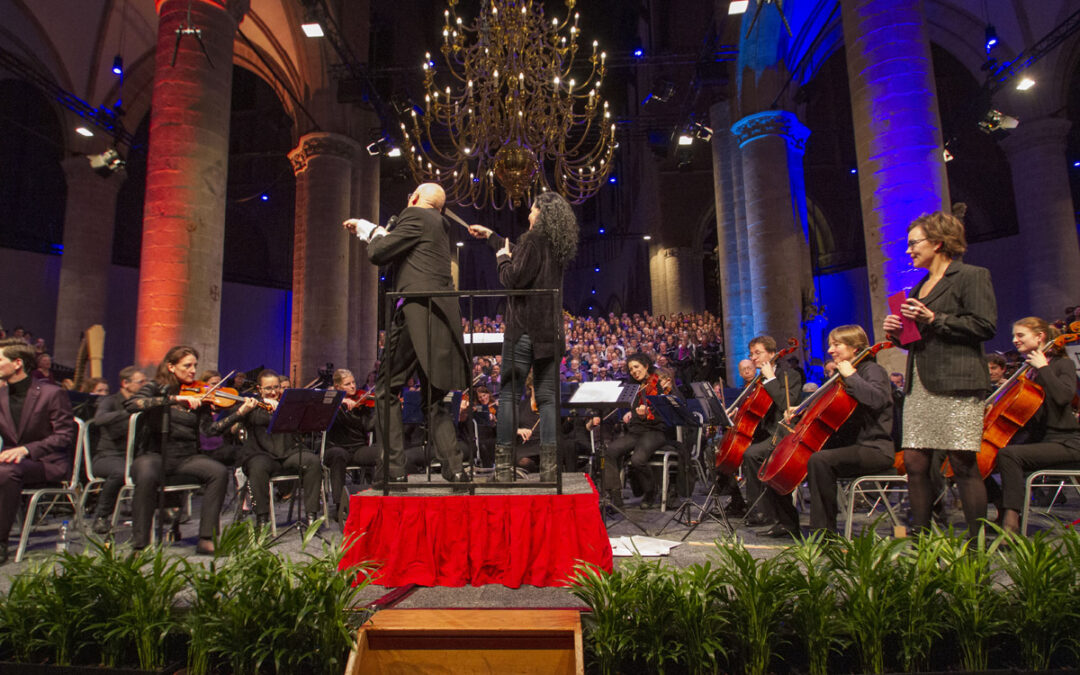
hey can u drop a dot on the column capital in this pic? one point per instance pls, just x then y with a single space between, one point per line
1036 133
321 143
772 123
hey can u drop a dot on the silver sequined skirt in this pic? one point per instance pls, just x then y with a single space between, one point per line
941 421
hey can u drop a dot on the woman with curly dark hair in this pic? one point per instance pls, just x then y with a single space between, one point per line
534 337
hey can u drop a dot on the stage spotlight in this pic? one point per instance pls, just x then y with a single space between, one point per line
946 155
991 37
118 65
738 6
312 29
83 131
265 197
107 163
686 139
647 237
383 146
460 244
1025 84
995 120
639 52
699 130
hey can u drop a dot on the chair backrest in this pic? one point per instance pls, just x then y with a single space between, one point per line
129 450
82 439
695 450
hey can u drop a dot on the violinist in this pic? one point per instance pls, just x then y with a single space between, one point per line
955 311
1053 434
485 412
645 434
862 445
176 421
784 386
347 440
265 455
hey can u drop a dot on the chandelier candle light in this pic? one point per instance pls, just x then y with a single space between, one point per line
509 118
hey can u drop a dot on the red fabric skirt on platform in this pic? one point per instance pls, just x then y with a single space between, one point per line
531 539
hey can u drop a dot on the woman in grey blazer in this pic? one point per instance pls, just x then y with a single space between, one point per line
955 311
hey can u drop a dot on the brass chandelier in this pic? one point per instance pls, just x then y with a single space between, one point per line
508 117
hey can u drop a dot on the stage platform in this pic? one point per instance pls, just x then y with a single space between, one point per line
430 536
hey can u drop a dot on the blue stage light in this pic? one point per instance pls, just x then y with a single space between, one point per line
639 52
118 65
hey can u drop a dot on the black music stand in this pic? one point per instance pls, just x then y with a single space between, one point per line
304 411
714 413
625 399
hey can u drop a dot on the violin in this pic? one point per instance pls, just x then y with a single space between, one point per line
362 398
222 397
752 405
1011 406
821 415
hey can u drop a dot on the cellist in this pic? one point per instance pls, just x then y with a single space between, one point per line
784 385
863 445
1053 434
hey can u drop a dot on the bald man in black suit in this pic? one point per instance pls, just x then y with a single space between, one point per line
417 249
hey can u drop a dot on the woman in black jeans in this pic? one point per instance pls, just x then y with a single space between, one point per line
534 337
185 417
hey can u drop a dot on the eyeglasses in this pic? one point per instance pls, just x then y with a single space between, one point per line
912 243
271 388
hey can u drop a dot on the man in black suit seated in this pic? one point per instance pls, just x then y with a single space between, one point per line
109 451
424 335
37 428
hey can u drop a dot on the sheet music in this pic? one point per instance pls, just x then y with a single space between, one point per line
597 392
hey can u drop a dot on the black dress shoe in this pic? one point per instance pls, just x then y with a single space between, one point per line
101 525
648 501
778 531
758 520
461 481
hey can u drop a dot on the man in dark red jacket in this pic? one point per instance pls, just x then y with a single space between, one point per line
37 428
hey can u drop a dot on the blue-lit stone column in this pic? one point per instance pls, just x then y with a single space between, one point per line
734 290
1044 209
897 135
772 146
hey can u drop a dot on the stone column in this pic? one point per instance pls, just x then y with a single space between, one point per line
772 145
89 221
363 276
657 279
682 279
186 170
734 301
1044 207
897 137
323 163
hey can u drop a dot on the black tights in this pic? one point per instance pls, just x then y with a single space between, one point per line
968 481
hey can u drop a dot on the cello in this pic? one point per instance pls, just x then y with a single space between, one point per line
1011 406
752 405
822 414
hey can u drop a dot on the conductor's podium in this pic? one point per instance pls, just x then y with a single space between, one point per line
469 641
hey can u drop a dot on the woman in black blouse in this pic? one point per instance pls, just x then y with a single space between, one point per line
183 418
534 337
1052 436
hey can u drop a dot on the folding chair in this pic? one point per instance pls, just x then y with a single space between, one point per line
127 490
68 489
1048 478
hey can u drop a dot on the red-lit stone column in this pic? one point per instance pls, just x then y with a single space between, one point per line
323 164
187 166
89 220
363 276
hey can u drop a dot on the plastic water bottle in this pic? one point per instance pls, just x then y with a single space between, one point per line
62 543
